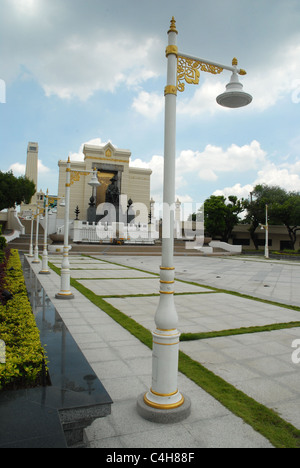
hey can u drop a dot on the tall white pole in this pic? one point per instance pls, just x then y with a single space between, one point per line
45 269
267 234
30 254
164 394
65 292
36 248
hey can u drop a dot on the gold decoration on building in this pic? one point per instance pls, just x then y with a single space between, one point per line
188 70
108 153
75 176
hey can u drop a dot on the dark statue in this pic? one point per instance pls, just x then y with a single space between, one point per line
112 192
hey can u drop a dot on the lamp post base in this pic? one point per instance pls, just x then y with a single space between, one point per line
164 416
64 296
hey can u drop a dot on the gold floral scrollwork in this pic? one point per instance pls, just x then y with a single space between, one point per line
189 70
75 176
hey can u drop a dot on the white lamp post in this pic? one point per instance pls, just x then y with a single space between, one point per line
36 248
65 292
267 234
163 402
30 254
266 228
45 269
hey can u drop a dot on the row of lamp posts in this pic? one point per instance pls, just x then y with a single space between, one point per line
163 397
65 292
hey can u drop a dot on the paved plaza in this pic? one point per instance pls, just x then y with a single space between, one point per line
259 364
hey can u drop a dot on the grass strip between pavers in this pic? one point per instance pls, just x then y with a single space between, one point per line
280 433
267 422
238 331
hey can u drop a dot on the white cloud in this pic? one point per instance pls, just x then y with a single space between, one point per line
213 161
204 99
79 65
25 6
278 79
148 104
157 166
237 190
284 175
18 169
42 169
208 165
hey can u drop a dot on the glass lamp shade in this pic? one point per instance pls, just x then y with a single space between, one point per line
234 95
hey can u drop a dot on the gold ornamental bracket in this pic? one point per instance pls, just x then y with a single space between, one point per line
189 67
75 175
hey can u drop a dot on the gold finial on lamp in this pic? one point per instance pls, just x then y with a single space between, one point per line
173 26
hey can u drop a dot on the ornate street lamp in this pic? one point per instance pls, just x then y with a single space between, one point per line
37 217
163 402
94 182
65 291
45 269
30 254
266 228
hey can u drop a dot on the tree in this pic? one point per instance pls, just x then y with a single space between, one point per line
261 196
288 213
221 217
14 190
284 208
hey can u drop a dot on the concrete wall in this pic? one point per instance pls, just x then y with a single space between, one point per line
278 236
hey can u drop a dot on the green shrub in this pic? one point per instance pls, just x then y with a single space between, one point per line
25 358
2 245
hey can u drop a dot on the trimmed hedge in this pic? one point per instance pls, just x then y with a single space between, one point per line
25 358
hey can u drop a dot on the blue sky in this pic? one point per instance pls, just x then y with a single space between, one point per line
94 71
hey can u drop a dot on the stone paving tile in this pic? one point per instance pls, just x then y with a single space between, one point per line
109 274
121 287
208 312
241 274
92 266
260 365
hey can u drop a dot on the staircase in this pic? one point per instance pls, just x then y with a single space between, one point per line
22 243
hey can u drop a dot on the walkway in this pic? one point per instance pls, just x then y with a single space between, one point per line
258 364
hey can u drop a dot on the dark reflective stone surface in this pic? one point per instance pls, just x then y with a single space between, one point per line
35 417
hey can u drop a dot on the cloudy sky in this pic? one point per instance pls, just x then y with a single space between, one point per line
79 71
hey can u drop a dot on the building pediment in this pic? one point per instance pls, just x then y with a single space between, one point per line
107 153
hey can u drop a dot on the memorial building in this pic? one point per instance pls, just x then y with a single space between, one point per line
128 184
118 197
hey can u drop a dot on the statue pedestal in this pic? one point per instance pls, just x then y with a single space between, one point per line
91 214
